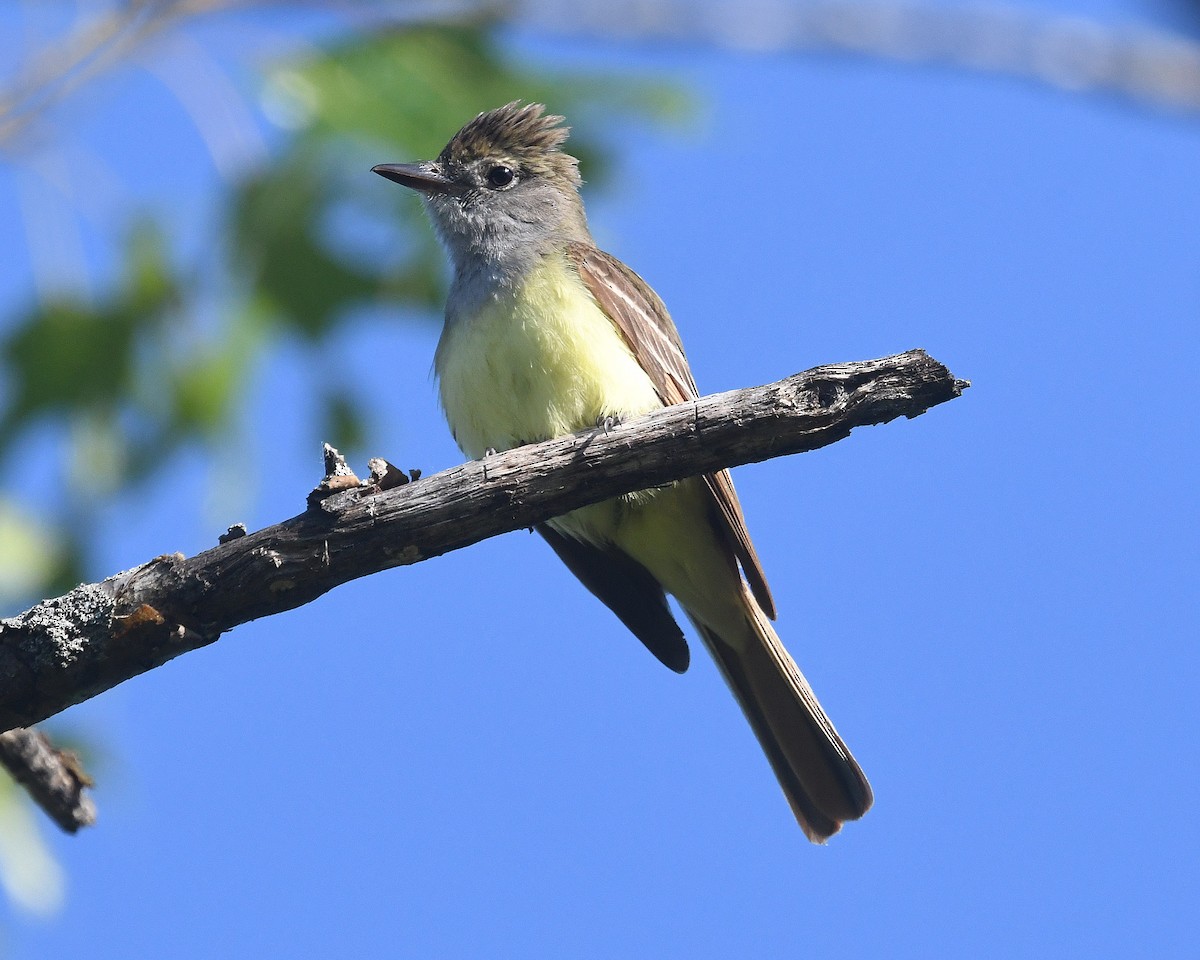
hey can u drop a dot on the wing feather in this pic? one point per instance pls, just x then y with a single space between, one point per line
644 322
628 590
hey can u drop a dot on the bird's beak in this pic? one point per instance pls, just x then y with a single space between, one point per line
424 177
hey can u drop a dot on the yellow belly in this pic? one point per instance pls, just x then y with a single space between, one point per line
546 361
537 363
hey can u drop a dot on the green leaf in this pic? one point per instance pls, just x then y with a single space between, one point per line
67 356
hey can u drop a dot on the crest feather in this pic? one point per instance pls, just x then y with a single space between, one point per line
524 133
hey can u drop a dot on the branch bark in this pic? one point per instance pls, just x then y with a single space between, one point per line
70 648
53 777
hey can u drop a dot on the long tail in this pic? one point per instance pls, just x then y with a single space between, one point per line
822 781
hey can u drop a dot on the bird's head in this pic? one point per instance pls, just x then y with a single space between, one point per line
502 182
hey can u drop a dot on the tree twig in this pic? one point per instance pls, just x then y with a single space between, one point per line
68 649
93 46
54 778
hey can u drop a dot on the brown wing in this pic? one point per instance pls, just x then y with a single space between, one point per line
648 329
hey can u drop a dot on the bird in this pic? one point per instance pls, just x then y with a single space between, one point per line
546 335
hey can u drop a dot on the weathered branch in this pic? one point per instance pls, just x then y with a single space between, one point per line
53 777
73 647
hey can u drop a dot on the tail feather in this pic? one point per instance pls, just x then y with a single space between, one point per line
821 779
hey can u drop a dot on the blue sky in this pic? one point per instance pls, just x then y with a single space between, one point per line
996 601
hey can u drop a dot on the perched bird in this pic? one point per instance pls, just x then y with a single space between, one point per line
546 335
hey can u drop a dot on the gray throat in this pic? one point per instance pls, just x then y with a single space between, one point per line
493 247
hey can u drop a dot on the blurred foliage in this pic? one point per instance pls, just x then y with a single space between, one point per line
150 365
30 876
69 357
162 359
397 94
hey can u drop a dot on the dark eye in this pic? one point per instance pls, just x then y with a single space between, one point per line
500 176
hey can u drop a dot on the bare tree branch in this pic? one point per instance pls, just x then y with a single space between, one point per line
1072 53
68 649
53 777
95 44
